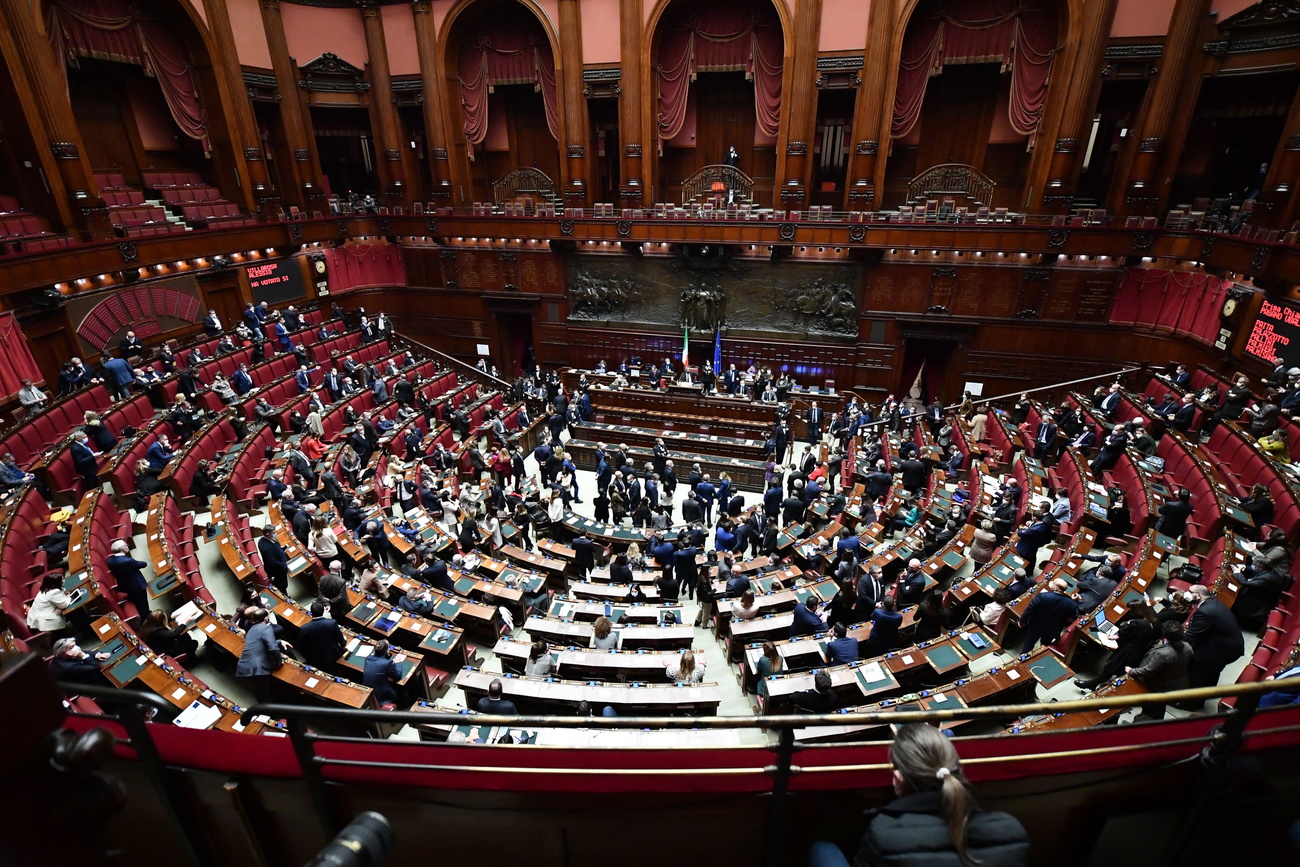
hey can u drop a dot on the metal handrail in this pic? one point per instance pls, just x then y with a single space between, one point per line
505 386
786 721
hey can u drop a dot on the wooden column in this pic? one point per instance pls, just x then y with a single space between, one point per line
242 125
1056 194
1278 198
436 130
40 86
799 106
304 168
872 109
638 108
1144 187
390 148
575 124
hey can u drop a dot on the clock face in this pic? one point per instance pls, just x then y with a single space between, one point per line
1229 307
320 266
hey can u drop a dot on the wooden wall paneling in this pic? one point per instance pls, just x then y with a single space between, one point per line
436 131
638 139
799 104
303 167
257 195
873 101
392 156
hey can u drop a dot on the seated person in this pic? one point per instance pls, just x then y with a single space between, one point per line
842 649
819 699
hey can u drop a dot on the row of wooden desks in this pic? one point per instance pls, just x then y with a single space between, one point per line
582 663
683 446
631 636
744 473
472 733
999 685
551 695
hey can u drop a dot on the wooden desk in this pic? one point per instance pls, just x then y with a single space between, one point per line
650 636
437 641
684 443
851 683
576 609
584 663
551 695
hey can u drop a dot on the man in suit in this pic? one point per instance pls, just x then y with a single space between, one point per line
1181 377
1214 635
1174 514
772 499
792 510
871 589
731 380
1110 403
841 649
877 482
320 640
241 381
692 512
85 459
159 452
685 570
130 345
815 418
818 700
303 378
911 584
807 618
404 391
885 623
1095 587
275 486
584 554
212 324
334 385
131 582
913 475
706 493
1047 616
1034 536
781 438
1045 438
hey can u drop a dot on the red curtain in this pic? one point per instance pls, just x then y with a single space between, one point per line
16 362
1176 302
506 55
1019 34
723 37
361 265
114 30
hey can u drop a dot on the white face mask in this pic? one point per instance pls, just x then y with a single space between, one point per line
1189 596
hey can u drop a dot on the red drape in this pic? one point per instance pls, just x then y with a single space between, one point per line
16 362
361 265
115 30
1176 302
722 37
506 55
1019 34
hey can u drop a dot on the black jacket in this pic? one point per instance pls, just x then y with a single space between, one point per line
912 831
320 642
1214 634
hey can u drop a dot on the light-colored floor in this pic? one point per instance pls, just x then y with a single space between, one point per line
225 590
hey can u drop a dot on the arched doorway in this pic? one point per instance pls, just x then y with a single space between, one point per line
504 99
715 79
972 89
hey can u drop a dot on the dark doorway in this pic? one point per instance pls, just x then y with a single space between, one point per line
930 359
346 149
514 342
603 118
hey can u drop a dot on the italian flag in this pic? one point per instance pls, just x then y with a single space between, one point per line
686 347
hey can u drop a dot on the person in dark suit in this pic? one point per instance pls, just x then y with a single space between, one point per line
159 453
85 460
1174 514
1047 616
382 675
130 579
261 656
685 570
275 562
819 699
1183 416
1214 635
1110 403
913 474
71 664
1234 404
911 584
885 623
584 555
815 420
320 640
1034 536
807 618
1045 438
1111 450
706 493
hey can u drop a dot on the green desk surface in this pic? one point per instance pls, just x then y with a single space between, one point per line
128 667
464 586
1048 670
116 648
943 701
966 646
162 583
365 611
434 643
447 609
870 686
954 559
988 583
944 657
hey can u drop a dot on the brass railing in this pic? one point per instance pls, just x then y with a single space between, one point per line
525 180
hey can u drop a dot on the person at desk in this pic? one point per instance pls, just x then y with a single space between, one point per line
1234 404
71 664
687 668
807 619
164 637
493 702
1260 506
261 656
604 636
131 582
382 674
1262 585
99 434
416 601
320 640
1095 587
935 819
332 591
33 400
746 607
46 612
275 562
819 699
911 584
1048 614
1163 668
841 649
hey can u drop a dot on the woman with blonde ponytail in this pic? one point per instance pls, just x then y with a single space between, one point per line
935 821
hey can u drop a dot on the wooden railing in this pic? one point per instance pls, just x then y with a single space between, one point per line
525 180
951 179
707 180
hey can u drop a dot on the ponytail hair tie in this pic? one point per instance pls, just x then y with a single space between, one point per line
942 772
